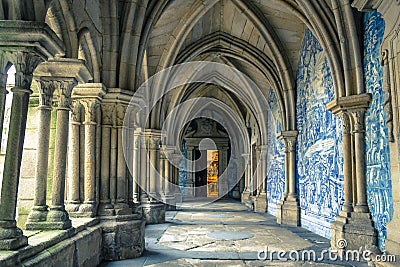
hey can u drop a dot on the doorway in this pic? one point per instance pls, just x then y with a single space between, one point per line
212 173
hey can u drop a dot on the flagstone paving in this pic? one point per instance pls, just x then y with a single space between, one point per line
226 233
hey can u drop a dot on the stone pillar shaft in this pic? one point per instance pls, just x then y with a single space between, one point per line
43 144
359 139
113 165
74 154
143 168
9 189
90 161
347 166
136 168
57 214
105 165
121 170
3 94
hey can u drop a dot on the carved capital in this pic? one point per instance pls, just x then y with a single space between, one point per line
46 91
290 145
358 116
289 139
76 111
107 113
64 89
346 123
90 106
25 63
154 143
120 111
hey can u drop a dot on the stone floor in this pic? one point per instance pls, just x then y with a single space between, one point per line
226 233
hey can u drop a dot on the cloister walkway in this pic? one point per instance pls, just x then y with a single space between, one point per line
226 233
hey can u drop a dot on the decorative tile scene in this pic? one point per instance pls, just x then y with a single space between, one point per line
319 148
379 185
276 156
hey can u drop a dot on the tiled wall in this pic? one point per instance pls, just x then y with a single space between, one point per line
319 148
379 184
276 156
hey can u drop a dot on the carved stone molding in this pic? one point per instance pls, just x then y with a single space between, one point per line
64 89
76 112
386 87
46 90
108 113
90 106
25 63
358 116
153 143
346 122
289 139
120 111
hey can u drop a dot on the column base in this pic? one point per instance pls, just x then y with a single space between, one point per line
154 213
122 208
72 207
87 209
106 209
178 198
57 219
11 237
353 231
288 212
123 237
189 192
170 202
261 203
37 216
246 199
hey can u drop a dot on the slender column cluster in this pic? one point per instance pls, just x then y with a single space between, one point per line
106 208
74 199
84 174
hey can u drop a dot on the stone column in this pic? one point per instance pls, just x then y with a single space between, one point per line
3 94
121 206
153 146
136 166
143 168
246 191
105 206
190 174
89 96
89 206
57 216
261 202
74 200
288 210
169 198
11 236
356 227
359 142
223 186
153 210
347 162
39 210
